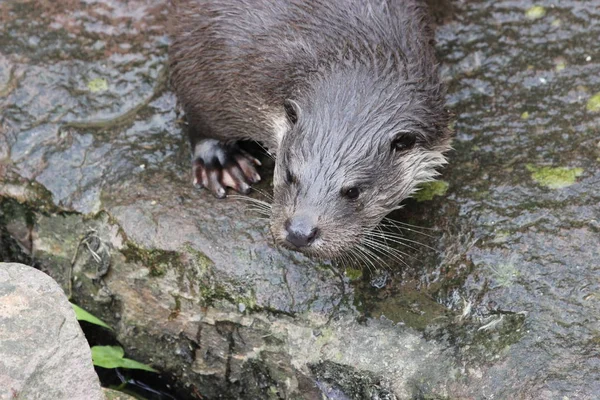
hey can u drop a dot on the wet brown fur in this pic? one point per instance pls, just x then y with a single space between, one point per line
360 72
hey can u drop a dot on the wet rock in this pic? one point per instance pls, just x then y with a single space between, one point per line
115 395
500 284
43 351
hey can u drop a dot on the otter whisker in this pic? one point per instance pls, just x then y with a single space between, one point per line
359 259
380 234
385 250
260 212
403 225
393 240
377 241
268 195
259 204
375 249
400 230
352 258
344 260
256 206
250 200
259 207
363 257
402 240
373 256
267 152
396 222
393 249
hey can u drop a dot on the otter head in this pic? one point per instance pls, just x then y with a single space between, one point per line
355 147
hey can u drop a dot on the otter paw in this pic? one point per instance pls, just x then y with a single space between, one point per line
217 166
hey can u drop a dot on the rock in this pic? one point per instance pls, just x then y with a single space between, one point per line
95 190
43 352
116 395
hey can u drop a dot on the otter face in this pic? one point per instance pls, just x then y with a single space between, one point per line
340 170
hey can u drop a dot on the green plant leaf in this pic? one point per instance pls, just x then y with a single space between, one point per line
83 315
107 356
112 357
132 364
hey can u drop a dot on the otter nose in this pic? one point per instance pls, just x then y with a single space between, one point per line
300 231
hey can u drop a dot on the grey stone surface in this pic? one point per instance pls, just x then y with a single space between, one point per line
116 395
43 352
503 303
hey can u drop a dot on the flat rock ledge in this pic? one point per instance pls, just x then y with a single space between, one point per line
43 352
213 330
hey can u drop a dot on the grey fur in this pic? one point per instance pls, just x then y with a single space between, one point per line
360 72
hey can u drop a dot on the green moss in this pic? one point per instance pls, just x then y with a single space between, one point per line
354 274
157 261
535 12
196 267
501 237
211 293
201 259
560 65
31 194
593 104
525 115
324 338
97 85
429 190
506 274
175 312
554 178
249 301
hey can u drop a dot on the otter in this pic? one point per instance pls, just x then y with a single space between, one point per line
345 94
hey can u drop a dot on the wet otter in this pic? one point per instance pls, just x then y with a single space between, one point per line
346 93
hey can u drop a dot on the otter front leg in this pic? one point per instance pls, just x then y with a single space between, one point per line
217 165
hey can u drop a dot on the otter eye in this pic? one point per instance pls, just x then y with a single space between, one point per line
291 110
403 141
351 193
289 178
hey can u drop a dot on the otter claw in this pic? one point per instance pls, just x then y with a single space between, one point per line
245 163
217 166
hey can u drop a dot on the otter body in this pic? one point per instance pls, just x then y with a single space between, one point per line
345 93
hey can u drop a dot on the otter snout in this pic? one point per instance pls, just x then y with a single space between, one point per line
301 231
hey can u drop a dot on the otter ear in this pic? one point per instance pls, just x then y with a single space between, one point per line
292 110
403 141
